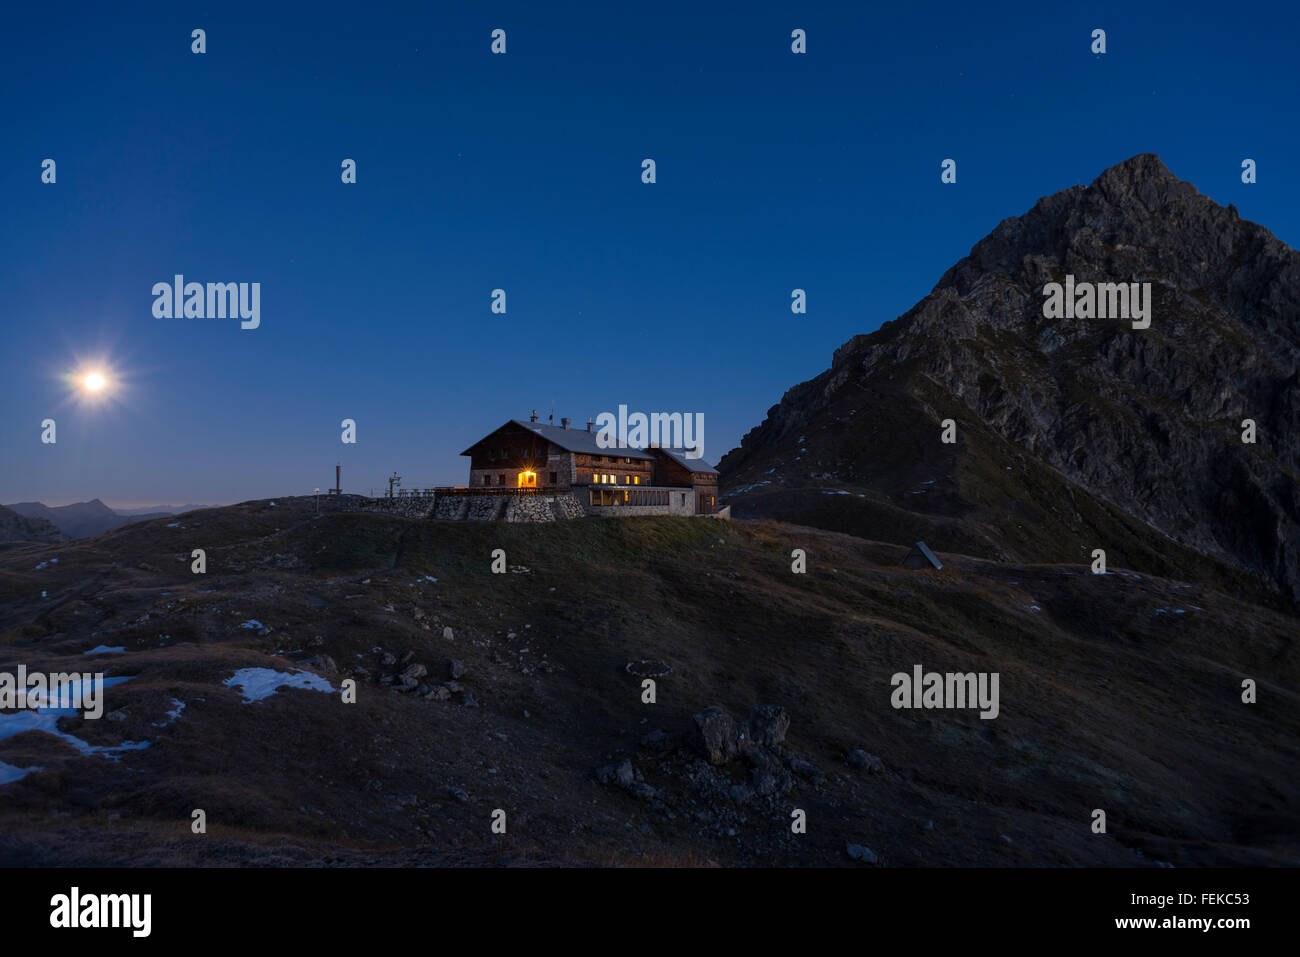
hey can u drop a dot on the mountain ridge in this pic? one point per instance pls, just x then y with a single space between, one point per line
81 519
1144 422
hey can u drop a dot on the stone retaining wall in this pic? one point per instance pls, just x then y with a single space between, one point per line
534 508
561 506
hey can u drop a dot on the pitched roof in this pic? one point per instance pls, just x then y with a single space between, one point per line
571 440
693 465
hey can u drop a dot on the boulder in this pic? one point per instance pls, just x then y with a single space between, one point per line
860 853
768 724
716 735
865 762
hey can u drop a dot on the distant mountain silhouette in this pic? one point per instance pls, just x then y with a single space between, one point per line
1072 433
82 519
20 528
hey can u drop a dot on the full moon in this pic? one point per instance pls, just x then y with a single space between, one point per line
94 382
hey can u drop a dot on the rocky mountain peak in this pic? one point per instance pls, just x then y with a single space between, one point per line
1148 423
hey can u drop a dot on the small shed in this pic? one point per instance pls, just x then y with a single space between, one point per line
921 557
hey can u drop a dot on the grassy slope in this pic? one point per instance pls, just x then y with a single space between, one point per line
1105 703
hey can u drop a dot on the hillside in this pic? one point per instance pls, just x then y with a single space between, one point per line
19 528
1117 692
1072 434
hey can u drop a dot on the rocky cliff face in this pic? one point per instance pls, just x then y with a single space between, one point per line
1075 433
18 528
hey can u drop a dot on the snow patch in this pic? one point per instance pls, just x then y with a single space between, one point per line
259 683
47 720
178 706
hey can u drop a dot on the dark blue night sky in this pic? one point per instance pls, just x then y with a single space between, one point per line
523 172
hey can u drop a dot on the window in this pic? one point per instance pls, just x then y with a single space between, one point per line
636 480
555 478
501 479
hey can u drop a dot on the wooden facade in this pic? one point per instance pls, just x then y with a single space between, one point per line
532 455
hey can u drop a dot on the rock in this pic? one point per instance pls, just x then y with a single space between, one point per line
408 684
453 687
716 734
860 853
865 762
623 775
1227 291
446 633
643 791
741 793
458 794
456 668
121 714
768 724
389 659
407 656
759 757
316 641
437 693
321 663
805 770
469 702
659 741
414 671
767 783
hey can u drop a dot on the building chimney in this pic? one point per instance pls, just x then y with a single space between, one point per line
589 423
533 417
338 489
564 423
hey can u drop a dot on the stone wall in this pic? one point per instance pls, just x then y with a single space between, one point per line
568 507
451 507
564 505
414 506
483 508
532 508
